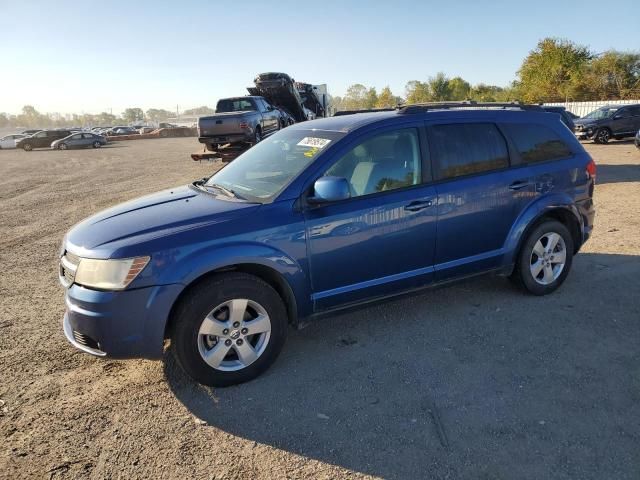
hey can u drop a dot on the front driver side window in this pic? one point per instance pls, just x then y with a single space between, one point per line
387 161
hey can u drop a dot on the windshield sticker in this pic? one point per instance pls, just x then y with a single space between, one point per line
311 153
314 142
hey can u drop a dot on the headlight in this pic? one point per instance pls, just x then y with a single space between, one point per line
109 274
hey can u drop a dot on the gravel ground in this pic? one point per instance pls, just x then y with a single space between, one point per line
472 381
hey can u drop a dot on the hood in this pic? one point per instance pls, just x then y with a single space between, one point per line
585 122
153 216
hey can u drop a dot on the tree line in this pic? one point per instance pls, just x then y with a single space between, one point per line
30 117
557 70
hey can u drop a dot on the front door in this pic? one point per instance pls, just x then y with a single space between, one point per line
381 240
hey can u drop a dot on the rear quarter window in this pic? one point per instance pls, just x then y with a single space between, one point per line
537 143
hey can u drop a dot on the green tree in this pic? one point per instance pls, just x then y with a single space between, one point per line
132 115
371 98
386 99
439 87
204 110
158 114
459 89
613 75
553 71
417 92
355 98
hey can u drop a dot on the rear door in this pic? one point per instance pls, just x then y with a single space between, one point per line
548 157
623 122
478 196
381 240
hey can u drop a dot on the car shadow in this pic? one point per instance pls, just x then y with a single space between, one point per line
607 173
477 380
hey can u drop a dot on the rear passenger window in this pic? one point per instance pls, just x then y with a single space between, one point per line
467 148
537 143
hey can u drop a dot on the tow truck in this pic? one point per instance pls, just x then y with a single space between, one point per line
274 102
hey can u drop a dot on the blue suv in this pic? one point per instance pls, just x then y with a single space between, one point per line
325 215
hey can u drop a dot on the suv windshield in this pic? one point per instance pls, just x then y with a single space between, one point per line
263 171
604 112
234 105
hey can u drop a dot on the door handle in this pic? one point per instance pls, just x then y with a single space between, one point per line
519 184
418 205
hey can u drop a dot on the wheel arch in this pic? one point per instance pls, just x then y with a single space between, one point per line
560 210
266 273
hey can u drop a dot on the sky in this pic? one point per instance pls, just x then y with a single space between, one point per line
90 57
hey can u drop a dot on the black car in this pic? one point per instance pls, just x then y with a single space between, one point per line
611 121
566 116
42 139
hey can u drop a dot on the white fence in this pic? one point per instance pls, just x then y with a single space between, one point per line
582 108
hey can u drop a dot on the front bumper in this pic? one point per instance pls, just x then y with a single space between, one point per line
125 324
584 134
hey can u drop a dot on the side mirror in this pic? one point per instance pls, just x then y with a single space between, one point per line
330 189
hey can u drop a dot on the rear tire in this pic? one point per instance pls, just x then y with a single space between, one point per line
27 147
229 353
62 146
97 144
544 259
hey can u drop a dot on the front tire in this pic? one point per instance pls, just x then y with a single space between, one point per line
62 146
229 329
97 144
602 136
545 258
27 147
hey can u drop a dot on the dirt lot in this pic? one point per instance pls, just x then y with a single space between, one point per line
473 381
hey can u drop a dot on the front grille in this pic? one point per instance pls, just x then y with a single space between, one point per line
68 266
85 340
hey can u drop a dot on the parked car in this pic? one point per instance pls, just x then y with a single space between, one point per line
79 140
238 120
637 139
565 115
9 141
322 216
42 139
612 121
115 131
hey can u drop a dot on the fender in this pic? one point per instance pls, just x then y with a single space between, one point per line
193 264
536 210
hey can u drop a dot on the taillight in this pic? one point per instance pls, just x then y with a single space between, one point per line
591 169
244 125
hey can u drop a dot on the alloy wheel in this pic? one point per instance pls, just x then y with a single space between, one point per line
234 334
548 258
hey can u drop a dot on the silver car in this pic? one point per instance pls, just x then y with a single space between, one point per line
79 139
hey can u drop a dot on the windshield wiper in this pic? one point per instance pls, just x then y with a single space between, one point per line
227 191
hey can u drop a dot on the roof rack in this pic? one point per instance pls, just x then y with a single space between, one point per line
423 107
364 110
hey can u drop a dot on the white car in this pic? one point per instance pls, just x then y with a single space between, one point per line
9 141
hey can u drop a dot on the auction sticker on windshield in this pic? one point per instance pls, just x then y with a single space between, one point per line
314 142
